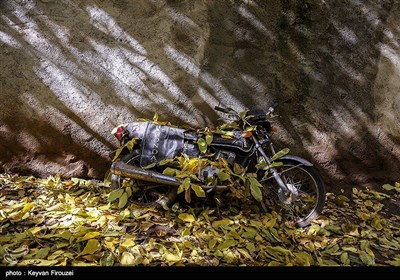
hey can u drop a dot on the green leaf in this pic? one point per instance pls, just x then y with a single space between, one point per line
366 259
275 164
209 139
251 247
223 176
237 169
115 194
202 144
280 154
151 165
226 244
123 200
165 161
170 171
388 187
42 253
255 189
186 217
222 223
304 259
211 243
344 258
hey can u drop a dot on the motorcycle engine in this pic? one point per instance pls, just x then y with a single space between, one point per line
208 174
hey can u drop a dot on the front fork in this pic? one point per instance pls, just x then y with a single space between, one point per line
274 172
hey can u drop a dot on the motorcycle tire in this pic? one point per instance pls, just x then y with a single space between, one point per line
145 194
309 199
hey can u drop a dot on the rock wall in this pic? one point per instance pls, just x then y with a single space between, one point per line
72 70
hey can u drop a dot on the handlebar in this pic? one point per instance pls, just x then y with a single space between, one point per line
222 109
229 110
272 108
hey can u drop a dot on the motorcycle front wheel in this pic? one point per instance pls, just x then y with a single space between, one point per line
144 194
307 198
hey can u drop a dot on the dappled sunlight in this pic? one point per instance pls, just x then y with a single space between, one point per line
79 74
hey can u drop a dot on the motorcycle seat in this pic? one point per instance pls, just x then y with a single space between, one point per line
237 142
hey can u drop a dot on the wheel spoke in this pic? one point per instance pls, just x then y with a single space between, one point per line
302 204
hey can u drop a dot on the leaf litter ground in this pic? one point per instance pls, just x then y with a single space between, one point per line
55 222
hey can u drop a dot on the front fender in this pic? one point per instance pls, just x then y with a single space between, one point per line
298 159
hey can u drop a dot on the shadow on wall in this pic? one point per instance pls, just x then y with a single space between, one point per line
72 71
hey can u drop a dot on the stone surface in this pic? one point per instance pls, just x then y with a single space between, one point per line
72 70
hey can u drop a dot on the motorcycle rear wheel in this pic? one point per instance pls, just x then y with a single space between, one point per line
145 194
309 192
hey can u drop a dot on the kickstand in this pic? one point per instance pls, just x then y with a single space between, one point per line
263 207
217 204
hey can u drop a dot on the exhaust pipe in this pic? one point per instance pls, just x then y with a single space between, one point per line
127 170
131 171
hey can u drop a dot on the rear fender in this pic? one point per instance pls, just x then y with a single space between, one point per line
298 159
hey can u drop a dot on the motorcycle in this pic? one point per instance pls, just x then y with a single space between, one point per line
156 161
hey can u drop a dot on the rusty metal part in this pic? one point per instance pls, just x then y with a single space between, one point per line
131 171
127 170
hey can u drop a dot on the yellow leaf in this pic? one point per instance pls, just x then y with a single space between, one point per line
172 258
395 262
250 246
221 223
118 152
255 188
170 171
202 144
184 186
91 247
388 187
303 258
185 232
344 257
376 223
155 117
42 253
223 176
28 207
128 259
245 254
366 259
131 143
65 235
211 243
186 217
237 169
128 243
198 190
38 262
209 139
56 254
88 236
269 222
187 196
